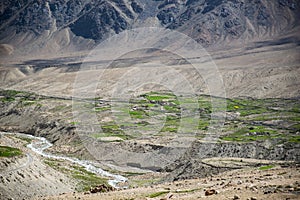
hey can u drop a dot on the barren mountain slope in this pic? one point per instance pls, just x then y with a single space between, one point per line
269 71
56 26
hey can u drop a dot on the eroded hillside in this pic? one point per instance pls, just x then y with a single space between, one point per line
66 26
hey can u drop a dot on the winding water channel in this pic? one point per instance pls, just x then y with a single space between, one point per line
40 144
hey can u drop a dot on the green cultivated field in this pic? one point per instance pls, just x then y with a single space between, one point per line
6 151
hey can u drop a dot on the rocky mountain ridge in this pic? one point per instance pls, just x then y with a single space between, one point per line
54 25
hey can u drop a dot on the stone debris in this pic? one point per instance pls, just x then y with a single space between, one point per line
210 192
101 188
236 197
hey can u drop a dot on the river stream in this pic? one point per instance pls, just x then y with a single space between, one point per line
40 144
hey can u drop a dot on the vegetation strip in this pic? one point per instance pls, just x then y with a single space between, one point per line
6 151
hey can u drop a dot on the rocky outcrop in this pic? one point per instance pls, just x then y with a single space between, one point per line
213 22
101 188
192 165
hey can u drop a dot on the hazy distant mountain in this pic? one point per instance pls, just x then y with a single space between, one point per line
70 25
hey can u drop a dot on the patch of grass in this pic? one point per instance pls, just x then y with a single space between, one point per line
51 163
110 128
203 124
296 126
169 129
294 138
137 114
103 135
261 129
74 123
266 167
85 179
102 109
150 105
171 124
295 118
9 93
28 140
6 151
247 106
28 103
186 191
205 107
204 103
296 109
128 174
172 108
157 194
155 96
7 99
247 134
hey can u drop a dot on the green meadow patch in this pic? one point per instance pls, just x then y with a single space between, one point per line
157 194
266 167
253 133
6 151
